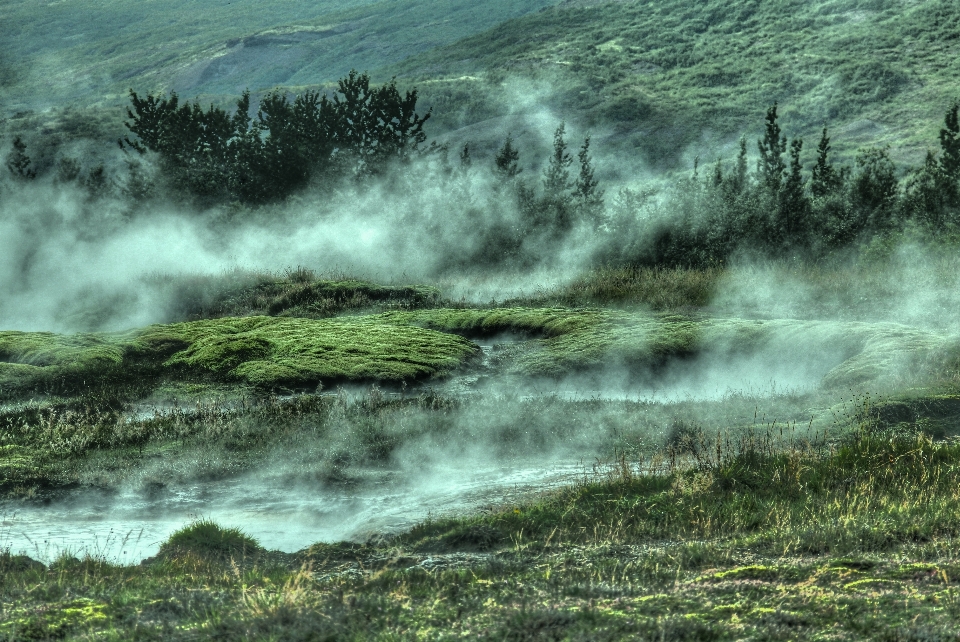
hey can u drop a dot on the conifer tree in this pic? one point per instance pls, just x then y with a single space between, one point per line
950 143
793 201
772 146
717 180
825 178
586 189
508 160
19 163
556 177
553 213
950 156
737 181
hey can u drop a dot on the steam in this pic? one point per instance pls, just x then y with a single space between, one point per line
71 263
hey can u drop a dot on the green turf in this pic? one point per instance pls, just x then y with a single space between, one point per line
406 346
564 341
267 352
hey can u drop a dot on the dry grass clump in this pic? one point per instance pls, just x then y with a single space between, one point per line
655 287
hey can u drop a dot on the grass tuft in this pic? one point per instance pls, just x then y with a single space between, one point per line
208 539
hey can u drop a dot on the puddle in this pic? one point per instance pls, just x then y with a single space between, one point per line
280 514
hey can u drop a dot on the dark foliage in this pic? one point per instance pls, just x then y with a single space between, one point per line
778 212
19 163
216 156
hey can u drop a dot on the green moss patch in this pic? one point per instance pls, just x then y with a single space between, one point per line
564 341
260 351
405 346
268 351
52 362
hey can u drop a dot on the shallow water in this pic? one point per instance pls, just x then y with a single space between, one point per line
281 514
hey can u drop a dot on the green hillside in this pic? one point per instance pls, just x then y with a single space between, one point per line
655 83
660 76
88 51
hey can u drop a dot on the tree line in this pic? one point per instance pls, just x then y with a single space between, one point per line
781 210
362 132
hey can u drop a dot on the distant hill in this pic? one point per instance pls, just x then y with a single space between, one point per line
670 78
83 52
656 83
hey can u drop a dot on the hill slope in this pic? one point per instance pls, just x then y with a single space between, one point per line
655 83
657 77
87 51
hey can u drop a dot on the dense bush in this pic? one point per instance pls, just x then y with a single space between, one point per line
217 156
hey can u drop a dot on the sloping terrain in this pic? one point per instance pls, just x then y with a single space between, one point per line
656 78
86 52
655 84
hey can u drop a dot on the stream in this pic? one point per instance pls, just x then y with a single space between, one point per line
129 526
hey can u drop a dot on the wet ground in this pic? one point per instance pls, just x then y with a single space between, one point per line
290 514
282 514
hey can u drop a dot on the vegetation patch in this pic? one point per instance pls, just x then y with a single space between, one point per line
209 540
261 351
758 538
268 351
50 363
564 341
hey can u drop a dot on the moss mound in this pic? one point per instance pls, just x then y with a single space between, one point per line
563 341
259 351
208 539
269 351
53 362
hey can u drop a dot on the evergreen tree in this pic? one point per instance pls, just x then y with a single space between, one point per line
508 160
825 179
874 188
717 180
950 156
736 182
794 206
925 198
588 195
772 146
556 177
950 143
19 163
554 212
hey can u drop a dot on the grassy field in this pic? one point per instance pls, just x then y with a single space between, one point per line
825 513
851 539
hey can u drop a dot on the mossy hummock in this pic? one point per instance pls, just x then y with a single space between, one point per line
259 351
407 346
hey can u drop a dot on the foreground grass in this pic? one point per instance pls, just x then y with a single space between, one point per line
760 538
